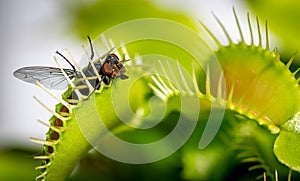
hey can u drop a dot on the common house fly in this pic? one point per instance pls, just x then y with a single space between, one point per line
53 78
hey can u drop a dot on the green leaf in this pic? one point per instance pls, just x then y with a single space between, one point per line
286 148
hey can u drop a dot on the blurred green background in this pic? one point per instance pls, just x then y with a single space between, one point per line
31 31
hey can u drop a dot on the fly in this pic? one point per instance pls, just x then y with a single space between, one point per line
53 77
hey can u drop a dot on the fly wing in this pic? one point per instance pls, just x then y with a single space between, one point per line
50 77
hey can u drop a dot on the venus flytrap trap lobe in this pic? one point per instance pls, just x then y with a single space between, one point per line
260 83
264 88
258 86
275 97
65 144
251 145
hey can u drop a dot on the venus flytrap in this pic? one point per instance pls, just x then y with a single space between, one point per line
65 142
55 147
61 155
251 83
264 90
258 87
